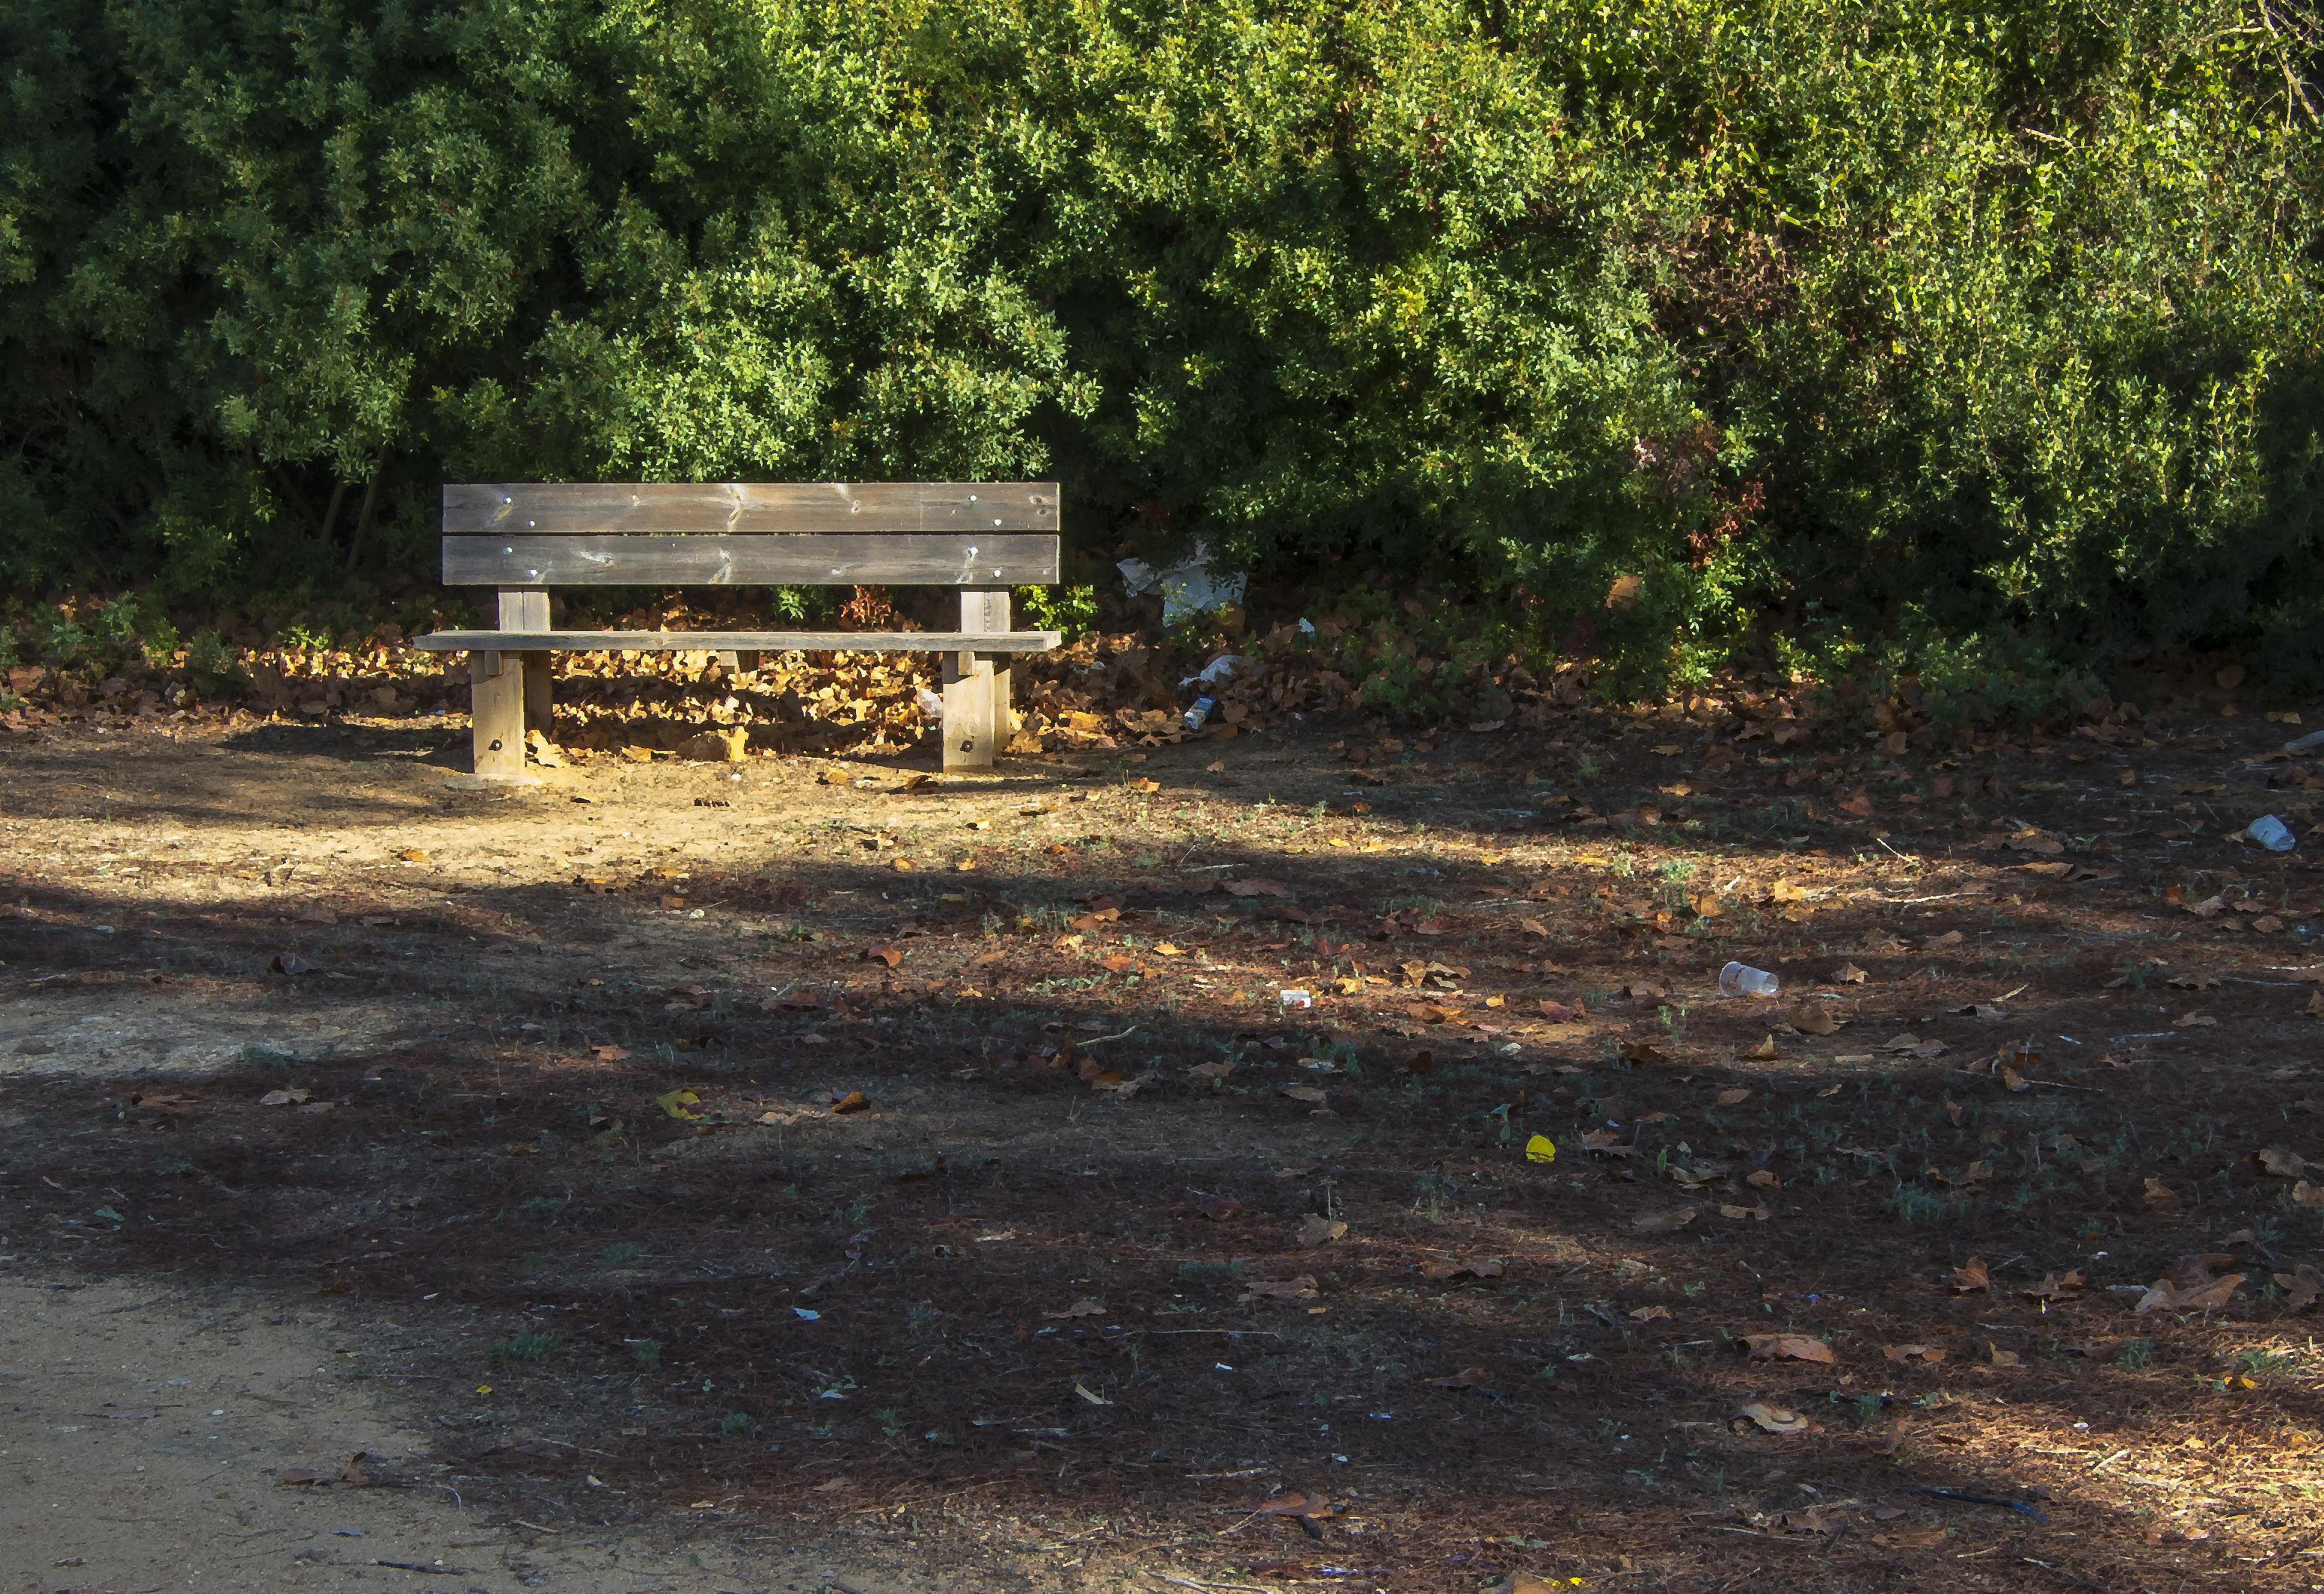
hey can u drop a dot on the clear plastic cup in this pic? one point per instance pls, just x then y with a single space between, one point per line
2270 832
1743 980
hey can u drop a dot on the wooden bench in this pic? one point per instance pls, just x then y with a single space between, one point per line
526 537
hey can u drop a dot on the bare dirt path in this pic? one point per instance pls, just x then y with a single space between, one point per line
1107 1172
187 1437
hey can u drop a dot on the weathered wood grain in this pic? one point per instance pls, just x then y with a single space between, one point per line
564 508
728 642
1014 558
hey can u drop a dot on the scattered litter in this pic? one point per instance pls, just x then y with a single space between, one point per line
1216 671
1187 587
1297 998
1198 712
930 703
1966 1498
1743 980
2269 831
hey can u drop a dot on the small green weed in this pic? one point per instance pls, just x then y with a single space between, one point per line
526 1346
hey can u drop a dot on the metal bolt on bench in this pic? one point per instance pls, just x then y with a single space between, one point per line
526 538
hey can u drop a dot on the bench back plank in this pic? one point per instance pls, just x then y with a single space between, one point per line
955 558
689 508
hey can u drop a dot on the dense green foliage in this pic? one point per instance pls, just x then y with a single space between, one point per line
1907 329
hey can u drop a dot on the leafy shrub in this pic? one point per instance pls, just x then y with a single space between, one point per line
209 660
1645 332
62 641
1071 611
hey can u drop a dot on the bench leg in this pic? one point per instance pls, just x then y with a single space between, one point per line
967 724
496 713
537 715
986 613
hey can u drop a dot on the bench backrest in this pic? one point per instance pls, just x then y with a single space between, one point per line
971 534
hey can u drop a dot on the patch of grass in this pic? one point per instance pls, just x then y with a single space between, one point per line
1914 1204
525 1346
2259 1361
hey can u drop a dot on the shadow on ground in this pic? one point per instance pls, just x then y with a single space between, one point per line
1072 1282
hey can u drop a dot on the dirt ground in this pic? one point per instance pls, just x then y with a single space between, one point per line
809 1175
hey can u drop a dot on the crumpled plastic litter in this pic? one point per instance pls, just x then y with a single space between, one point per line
1187 587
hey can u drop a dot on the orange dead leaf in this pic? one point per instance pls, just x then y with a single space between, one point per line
1787 1347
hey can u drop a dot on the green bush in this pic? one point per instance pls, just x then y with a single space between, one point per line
1069 610
1876 326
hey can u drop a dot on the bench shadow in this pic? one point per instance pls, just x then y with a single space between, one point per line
434 743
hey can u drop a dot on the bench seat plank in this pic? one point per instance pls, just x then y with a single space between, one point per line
567 508
810 559
738 641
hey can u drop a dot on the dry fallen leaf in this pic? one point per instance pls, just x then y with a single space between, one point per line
1654 1313
1849 974
1319 1230
1468 1377
2282 1163
285 1098
1787 1347
1765 1052
1663 1223
2301 1286
1814 1018
1912 1352
1773 1419
852 1101
1756 1215
1972 1275
1218 1208
2213 1295
1734 1098
1764 1179
1082 1308
1255 887
1448 1269
1302 1288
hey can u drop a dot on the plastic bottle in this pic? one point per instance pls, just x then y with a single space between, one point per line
1743 980
1196 716
2269 831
